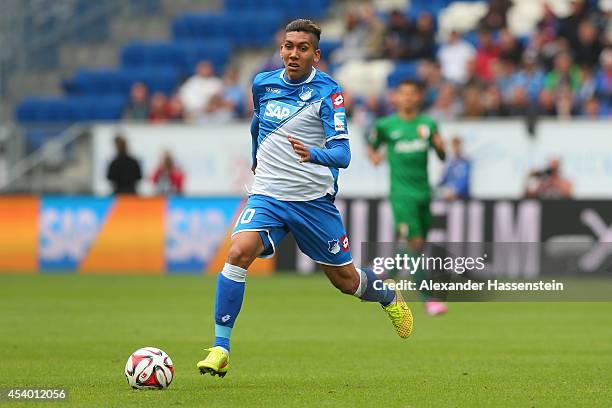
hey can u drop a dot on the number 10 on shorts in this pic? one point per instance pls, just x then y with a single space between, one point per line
245 216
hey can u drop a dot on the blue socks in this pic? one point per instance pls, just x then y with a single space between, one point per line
367 292
230 292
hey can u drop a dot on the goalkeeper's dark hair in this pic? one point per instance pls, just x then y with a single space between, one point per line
305 26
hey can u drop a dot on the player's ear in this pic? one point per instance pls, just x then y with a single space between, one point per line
317 55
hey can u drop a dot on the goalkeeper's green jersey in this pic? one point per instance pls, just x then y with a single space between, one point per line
408 143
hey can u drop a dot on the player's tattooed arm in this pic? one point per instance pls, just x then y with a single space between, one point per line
438 145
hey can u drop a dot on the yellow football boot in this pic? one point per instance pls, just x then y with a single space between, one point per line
215 363
400 314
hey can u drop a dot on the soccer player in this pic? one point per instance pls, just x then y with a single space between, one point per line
299 141
408 136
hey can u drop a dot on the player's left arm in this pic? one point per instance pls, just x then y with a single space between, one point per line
337 152
438 145
437 142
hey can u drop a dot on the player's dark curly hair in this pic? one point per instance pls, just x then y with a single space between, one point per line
306 26
414 82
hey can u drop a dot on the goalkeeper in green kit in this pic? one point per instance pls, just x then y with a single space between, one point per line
408 136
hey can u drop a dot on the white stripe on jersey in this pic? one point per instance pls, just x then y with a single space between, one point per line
279 173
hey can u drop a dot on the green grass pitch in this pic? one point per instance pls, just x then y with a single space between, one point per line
298 343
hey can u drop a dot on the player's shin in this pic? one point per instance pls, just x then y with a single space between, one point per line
230 292
371 288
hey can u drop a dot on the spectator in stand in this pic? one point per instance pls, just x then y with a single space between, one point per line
587 87
509 48
546 103
548 183
588 47
124 171
473 80
564 74
422 41
353 39
504 71
544 48
472 103
430 75
591 109
167 177
495 18
520 104
398 35
230 102
566 103
487 55
159 108
446 105
196 93
374 40
549 23
175 109
493 103
568 26
454 57
138 107
530 78
274 61
455 183
603 81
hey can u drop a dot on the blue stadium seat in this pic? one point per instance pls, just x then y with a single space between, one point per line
162 79
218 53
314 9
243 34
328 46
96 82
154 54
70 109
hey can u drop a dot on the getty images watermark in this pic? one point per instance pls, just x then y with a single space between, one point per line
403 264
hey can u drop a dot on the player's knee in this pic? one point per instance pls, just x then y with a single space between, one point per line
240 255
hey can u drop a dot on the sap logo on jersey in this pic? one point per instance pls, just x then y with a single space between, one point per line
278 111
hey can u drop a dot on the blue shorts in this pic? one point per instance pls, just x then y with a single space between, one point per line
316 226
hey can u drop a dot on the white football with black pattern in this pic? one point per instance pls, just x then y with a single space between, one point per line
149 368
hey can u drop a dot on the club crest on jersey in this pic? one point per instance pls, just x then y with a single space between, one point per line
278 111
305 93
333 246
337 100
423 131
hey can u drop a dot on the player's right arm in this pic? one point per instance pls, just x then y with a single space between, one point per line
254 140
375 140
255 123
